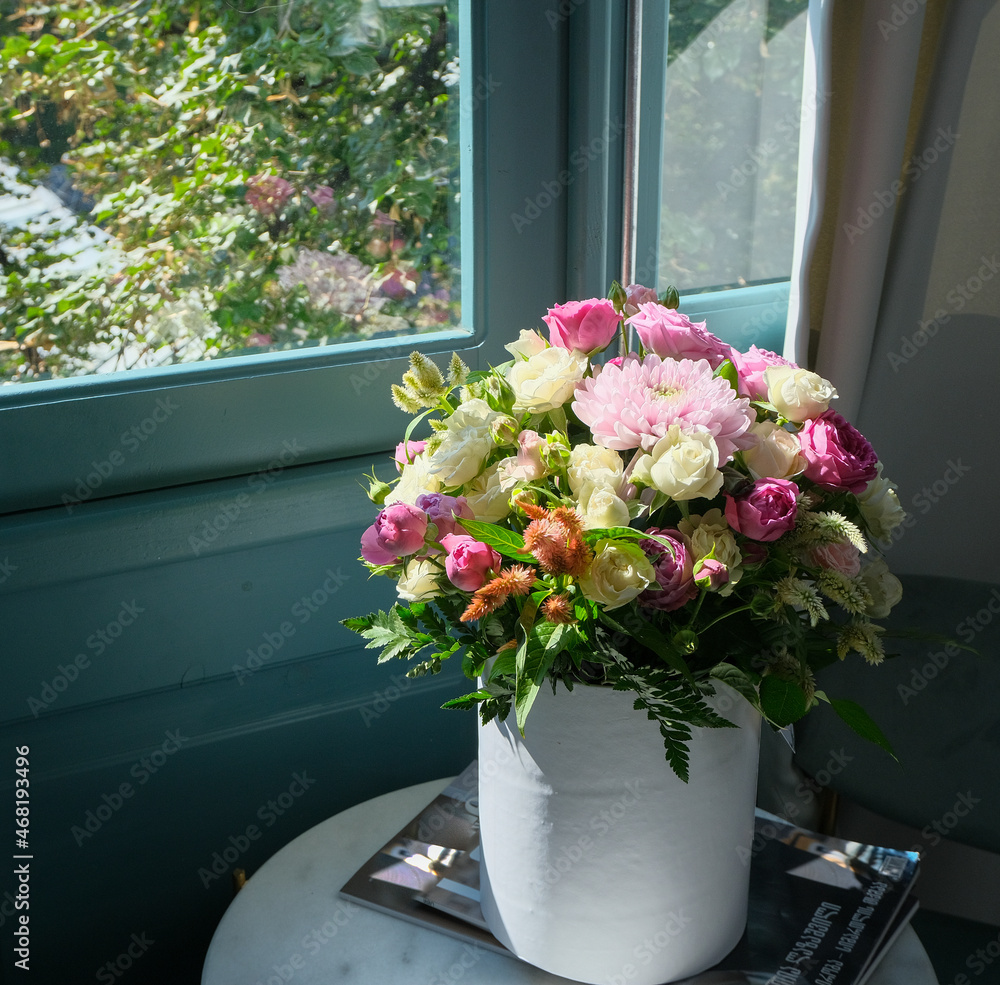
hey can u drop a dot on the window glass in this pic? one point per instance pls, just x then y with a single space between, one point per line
181 182
730 142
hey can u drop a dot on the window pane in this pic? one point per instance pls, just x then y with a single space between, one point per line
731 134
184 182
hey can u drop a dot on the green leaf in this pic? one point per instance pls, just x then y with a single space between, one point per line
728 372
738 680
862 723
649 636
467 700
534 657
509 543
781 701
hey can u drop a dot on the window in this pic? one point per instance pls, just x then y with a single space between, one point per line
82 439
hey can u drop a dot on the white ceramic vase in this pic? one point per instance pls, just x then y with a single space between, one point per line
599 864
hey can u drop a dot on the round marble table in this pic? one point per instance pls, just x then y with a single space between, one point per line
288 923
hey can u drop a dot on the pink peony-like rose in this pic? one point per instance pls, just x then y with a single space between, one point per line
843 557
400 528
445 512
407 451
674 578
372 551
636 294
750 367
469 561
837 454
673 335
764 513
587 326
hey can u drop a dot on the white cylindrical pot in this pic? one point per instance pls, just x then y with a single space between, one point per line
599 864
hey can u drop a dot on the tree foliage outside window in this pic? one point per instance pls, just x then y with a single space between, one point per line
252 177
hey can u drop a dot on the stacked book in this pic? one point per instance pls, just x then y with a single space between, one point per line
822 910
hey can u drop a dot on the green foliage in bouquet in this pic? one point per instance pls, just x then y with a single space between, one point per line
682 515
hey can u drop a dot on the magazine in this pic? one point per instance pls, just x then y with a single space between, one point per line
822 910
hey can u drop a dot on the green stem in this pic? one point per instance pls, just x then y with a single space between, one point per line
732 612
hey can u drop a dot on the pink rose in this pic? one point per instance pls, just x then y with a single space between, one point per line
710 573
838 456
469 561
636 294
672 335
587 326
750 367
443 511
843 557
372 551
764 513
407 451
400 528
529 465
674 579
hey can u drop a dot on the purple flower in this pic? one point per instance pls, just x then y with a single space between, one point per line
322 196
674 579
443 511
838 456
764 513
636 294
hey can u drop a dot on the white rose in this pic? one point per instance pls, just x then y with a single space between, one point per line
528 344
488 499
419 581
682 465
777 454
618 574
593 463
883 586
416 479
880 507
463 448
546 380
798 394
711 535
600 506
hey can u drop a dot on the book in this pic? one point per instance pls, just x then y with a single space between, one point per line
822 910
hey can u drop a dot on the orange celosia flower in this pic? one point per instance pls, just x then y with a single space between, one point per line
558 609
556 540
515 580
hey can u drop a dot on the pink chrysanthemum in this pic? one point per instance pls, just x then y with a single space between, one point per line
633 405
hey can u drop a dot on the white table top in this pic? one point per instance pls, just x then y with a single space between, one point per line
289 924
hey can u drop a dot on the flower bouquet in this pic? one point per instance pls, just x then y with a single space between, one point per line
679 515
